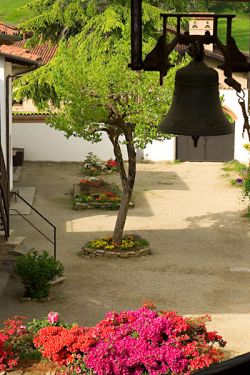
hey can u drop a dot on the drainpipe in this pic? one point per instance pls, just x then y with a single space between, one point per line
7 114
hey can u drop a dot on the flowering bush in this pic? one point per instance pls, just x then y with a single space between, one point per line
128 242
15 342
137 342
16 338
10 335
92 165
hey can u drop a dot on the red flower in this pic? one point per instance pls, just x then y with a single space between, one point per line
111 163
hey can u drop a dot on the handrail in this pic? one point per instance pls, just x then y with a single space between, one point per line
42 216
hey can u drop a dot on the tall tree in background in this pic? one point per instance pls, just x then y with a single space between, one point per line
88 87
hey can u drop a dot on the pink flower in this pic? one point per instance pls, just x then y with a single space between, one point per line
53 317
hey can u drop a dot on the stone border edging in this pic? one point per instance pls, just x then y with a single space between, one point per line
87 251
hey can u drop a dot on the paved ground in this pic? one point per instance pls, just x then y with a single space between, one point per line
200 241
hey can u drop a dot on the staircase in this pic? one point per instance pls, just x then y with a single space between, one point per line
11 247
9 244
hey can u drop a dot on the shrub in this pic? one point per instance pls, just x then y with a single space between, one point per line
36 271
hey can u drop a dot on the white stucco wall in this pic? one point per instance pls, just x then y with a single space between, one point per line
43 143
161 150
231 101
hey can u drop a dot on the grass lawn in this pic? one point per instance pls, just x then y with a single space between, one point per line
11 11
241 31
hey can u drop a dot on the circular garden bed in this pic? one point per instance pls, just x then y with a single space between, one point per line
131 246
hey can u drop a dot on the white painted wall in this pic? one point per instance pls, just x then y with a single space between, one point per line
43 143
161 150
231 101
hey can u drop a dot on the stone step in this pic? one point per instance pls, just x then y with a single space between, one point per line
11 248
2 235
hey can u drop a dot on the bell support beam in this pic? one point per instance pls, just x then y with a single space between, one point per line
136 35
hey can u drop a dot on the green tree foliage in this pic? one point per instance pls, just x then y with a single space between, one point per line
89 85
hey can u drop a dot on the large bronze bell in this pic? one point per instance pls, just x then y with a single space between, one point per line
196 109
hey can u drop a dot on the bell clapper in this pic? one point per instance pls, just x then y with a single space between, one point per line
195 139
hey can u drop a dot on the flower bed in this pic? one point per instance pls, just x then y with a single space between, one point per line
96 193
131 246
138 342
107 200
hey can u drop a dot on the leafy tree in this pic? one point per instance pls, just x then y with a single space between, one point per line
89 85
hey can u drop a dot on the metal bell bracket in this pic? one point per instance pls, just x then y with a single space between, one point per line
158 58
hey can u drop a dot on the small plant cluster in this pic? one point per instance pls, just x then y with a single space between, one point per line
242 180
36 271
129 242
93 166
138 342
247 146
246 192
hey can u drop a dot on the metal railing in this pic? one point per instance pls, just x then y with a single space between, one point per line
42 216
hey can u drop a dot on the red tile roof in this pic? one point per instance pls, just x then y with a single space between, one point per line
46 51
8 30
13 51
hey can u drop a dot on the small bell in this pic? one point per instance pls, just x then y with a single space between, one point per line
196 109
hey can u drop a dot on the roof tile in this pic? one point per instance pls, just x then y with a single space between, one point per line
8 30
46 51
12 50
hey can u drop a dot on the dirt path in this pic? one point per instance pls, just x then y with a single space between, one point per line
191 217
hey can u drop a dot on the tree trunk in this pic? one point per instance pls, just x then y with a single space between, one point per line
121 217
127 179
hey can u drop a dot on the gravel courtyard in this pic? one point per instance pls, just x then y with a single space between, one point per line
192 218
